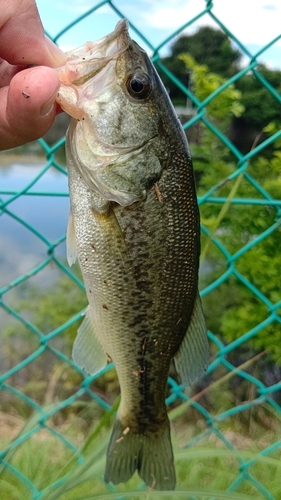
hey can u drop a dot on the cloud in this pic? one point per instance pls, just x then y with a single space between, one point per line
270 7
252 22
170 14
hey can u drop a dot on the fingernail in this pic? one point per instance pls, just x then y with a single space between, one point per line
47 107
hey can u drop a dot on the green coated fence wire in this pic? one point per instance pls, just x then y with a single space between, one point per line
45 397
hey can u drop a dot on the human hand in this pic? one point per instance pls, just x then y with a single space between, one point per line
27 96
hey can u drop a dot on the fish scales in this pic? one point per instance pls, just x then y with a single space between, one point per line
135 228
161 277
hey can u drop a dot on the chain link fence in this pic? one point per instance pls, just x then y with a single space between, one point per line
42 300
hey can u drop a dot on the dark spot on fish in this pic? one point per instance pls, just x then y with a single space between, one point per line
27 96
105 306
138 319
106 283
93 246
135 307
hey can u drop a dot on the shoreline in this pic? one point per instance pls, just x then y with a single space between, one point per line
9 159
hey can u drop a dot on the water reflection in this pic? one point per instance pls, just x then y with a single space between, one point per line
20 248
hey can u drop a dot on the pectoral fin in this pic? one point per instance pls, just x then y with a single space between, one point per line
71 241
192 358
87 351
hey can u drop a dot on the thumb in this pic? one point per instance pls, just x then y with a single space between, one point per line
27 106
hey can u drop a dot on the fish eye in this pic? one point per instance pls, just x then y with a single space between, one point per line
139 85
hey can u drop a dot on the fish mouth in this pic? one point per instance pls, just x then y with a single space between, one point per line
86 61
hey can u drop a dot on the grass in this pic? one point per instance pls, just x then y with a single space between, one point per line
43 467
234 458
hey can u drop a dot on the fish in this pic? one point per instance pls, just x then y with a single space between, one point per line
134 227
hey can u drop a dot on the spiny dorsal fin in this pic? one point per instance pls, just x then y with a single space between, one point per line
192 358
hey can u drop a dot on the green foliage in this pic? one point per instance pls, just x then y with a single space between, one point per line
237 309
48 378
44 461
44 310
240 309
258 265
178 68
260 105
212 468
204 83
211 47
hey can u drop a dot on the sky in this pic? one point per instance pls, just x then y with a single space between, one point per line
254 22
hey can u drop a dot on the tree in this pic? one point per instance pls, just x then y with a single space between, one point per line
204 83
232 309
210 47
261 107
207 46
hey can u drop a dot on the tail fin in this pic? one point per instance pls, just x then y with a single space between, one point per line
151 455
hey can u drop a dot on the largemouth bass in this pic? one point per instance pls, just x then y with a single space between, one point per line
134 226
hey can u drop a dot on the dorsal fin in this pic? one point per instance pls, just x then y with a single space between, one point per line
192 358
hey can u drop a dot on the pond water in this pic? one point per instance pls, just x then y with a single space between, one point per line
20 248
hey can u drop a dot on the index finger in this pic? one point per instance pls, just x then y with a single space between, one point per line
23 41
